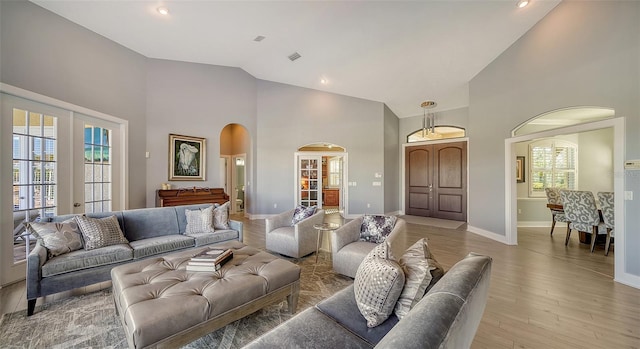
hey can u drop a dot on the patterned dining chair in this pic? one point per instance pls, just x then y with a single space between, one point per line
553 197
606 205
580 208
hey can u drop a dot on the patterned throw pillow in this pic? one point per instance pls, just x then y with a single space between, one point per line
376 228
421 271
302 212
199 221
100 232
378 284
221 217
58 238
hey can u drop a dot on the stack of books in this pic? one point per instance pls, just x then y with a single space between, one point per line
210 260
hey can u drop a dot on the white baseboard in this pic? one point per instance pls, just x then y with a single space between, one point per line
489 234
629 280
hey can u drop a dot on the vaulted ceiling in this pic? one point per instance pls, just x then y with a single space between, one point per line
400 53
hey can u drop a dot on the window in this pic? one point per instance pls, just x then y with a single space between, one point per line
554 164
97 169
34 163
335 171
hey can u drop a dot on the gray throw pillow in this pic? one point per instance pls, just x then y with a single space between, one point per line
57 238
421 271
100 232
221 217
199 221
378 284
376 228
301 213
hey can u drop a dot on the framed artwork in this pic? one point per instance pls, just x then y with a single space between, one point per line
187 156
520 169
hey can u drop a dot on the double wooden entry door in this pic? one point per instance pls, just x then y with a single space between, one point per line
436 180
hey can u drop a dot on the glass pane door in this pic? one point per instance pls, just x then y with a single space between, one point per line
309 181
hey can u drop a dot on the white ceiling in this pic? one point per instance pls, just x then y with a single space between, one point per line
397 52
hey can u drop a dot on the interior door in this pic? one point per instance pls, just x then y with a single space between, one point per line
419 180
436 180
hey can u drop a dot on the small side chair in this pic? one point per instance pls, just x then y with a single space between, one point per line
553 197
580 208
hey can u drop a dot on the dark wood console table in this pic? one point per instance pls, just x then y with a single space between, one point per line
190 196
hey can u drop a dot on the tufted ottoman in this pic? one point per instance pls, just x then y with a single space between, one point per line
160 304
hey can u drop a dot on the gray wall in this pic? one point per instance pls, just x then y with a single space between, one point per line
290 117
391 175
45 53
581 53
195 100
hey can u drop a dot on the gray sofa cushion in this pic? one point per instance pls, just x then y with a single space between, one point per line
161 244
83 259
311 330
342 308
150 222
211 238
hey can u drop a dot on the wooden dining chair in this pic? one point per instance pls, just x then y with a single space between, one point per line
580 208
606 205
553 197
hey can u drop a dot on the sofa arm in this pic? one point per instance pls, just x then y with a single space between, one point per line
346 234
280 220
237 226
36 259
303 228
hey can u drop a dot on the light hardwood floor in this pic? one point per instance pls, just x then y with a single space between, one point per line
543 294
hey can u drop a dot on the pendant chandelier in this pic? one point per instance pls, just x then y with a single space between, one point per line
429 119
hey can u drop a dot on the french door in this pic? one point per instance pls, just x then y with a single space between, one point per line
436 180
309 180
61 162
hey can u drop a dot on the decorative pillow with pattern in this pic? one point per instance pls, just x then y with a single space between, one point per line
421 271
302 212
221 217
378 284
199 221
57 238
100 232
376 228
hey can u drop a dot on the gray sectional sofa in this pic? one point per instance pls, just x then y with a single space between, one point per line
150 231
446 317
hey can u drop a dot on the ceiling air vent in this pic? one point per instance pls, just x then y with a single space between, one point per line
259 38
294 56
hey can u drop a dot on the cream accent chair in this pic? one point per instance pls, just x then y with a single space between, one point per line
348 251
296 240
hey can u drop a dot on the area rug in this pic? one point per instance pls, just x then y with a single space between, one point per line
434 222
90 321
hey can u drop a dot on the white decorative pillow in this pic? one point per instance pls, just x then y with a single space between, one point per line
221 217
421 271
199 221
100 232
302 212
58 238
378 284
376 228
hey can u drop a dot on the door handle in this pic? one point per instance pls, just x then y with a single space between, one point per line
430 187
76 204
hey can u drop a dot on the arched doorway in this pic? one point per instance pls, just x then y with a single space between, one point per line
235 144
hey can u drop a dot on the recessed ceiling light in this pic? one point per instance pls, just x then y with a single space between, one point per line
522 3
323 81
163 11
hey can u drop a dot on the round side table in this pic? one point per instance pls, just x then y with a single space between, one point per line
321 228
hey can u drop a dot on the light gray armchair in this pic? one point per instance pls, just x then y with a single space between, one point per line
295 240
348 251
